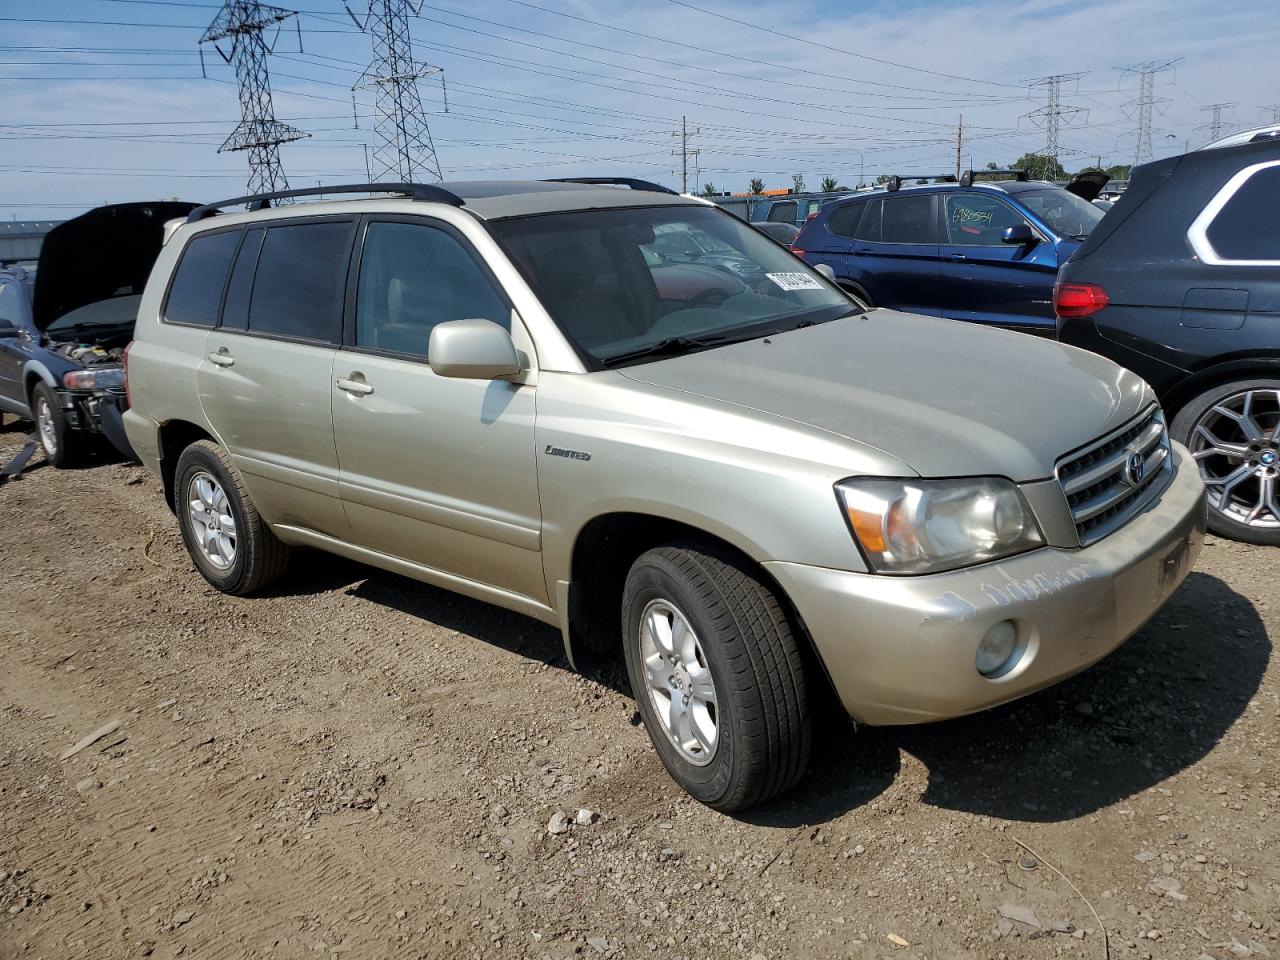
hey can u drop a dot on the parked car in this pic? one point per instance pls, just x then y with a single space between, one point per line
783 233
1181 283
984 251
64 325
481 387
796 209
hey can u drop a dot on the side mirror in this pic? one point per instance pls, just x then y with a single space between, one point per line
826 271
1021 234
472 350
7 329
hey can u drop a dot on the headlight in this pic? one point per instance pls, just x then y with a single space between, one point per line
925 526
98 378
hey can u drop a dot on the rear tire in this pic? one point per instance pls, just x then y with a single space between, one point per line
860 298
1233 430
230 544
742 677
63 447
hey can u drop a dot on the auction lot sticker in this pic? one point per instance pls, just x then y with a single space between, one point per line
794 281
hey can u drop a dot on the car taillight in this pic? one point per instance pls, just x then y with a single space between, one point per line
125 360
1072 301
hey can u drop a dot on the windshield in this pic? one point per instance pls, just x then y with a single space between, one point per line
620 282
116 312
1061 211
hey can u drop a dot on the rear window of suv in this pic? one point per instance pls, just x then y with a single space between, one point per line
299 284
1245 229
196 291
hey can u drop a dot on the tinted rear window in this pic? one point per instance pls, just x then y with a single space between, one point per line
908 220
869 226
783 212
1246 228
196 292
299 284
844 221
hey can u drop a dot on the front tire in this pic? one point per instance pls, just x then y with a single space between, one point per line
63 447
230 544
1233 431
717 675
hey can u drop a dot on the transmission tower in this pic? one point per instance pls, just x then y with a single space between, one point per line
1215 124
684 153
1145 103
242 22
1050 116
1274 110
404 151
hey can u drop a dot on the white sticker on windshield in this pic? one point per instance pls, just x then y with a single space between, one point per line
794 281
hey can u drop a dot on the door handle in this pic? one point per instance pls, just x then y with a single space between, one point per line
222 358
358 387
957 257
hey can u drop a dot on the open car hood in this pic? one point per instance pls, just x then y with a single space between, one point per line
1088 185
99 255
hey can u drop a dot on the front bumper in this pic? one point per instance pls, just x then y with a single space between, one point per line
903 649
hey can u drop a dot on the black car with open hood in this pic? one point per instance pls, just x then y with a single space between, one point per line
65 324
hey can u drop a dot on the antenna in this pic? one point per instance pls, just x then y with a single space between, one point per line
259 132
404 150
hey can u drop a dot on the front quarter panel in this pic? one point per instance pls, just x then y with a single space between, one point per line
608 444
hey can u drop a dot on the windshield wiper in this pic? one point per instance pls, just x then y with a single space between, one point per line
674 345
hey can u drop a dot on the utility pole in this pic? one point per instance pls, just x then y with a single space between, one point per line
684 153
259 133
1146 102
959 143
1214 124
1050 116
404 151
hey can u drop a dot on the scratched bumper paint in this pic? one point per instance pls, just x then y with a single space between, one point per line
902 649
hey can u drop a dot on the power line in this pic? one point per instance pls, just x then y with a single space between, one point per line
259 132
684 153
404 149
1146 101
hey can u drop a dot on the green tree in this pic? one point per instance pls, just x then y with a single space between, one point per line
1040 166
756 187
1120 171
709 190
882 180
992 165
798 180
829 185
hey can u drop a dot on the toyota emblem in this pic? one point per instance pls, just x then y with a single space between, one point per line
1135 468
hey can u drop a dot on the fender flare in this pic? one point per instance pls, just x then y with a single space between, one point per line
34 371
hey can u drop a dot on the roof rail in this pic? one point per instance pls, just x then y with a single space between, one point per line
631 182
893 184
967 178
262 201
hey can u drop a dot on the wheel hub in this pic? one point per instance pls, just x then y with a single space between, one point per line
679 683
1236 443
212 525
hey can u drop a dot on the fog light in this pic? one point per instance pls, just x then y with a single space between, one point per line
997 648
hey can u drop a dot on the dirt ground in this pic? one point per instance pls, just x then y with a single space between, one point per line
358 765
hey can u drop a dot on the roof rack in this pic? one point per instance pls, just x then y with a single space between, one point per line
967 178
631 182
893 184
262 201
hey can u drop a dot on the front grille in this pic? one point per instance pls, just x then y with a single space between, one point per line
1102 490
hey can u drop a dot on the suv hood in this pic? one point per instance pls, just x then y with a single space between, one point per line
945 397
1088 185
99 255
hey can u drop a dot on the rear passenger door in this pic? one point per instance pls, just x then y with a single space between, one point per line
830 241
895 253
13 338
435 470
987 280
266 378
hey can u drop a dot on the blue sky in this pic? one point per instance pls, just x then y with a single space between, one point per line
95 112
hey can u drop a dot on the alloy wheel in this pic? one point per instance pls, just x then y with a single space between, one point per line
679 682
48 429
1236 443
212 523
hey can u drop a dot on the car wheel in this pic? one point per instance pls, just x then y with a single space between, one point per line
229 542
861 299
61 445
717 675
1233 431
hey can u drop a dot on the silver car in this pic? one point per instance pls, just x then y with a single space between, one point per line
735 478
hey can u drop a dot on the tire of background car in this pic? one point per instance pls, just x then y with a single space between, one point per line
208 492
737 665
1253 457
62 446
